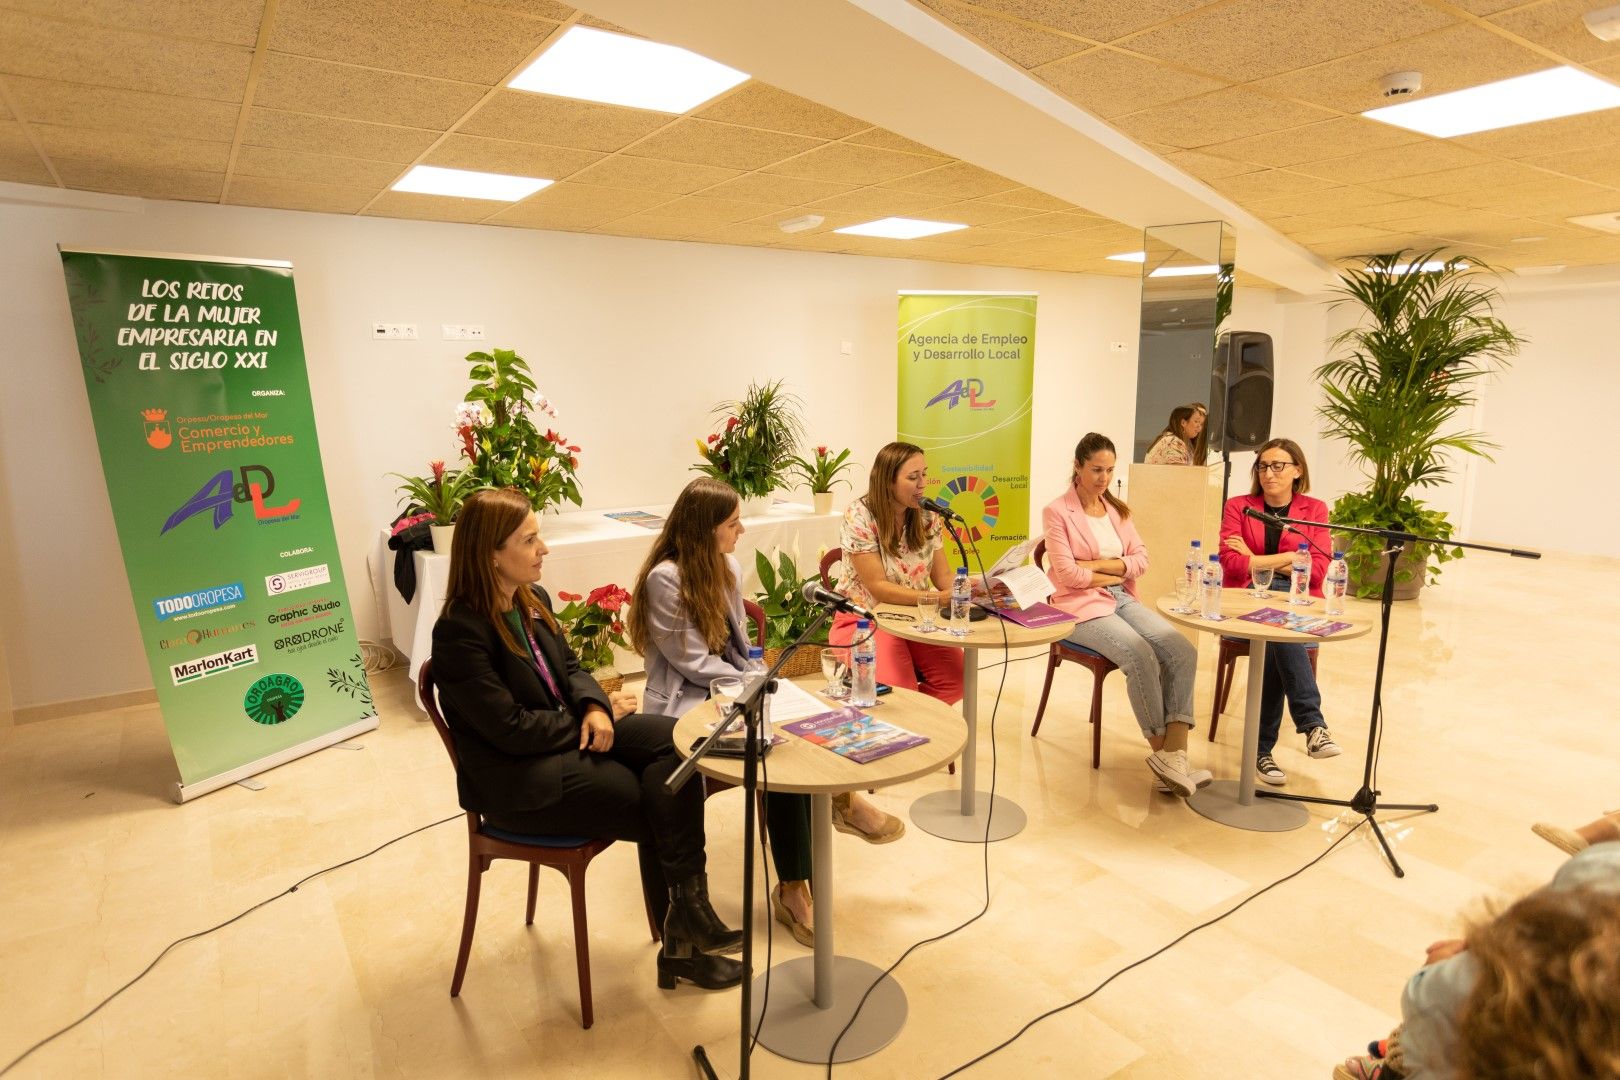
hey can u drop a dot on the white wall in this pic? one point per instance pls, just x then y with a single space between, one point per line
634 340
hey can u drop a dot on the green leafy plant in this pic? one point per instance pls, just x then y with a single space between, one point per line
440 494
1426 337
499 439
787 613
755 446
822 471
594 624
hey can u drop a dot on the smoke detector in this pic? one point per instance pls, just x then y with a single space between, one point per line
1604 23
1399 84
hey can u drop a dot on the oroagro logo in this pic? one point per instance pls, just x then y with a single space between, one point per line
274 699
220 492
201 667
183 605
956 391
158 436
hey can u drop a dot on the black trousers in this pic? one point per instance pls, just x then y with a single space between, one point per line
620 795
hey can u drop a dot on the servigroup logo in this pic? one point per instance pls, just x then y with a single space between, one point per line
158 436
962 388
220 493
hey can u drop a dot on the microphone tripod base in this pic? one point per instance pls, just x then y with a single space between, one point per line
1364 802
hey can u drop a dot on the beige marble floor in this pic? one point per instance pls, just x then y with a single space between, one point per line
1500 707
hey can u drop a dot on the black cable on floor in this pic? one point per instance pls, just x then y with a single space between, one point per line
18 1060
1155 953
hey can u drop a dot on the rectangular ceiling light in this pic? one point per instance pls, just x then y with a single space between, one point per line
900 228
466 184
1545 95
1129 256
595 65
1184 271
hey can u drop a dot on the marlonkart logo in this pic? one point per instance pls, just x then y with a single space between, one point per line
293 580
188 671
158 436
195 603
956 391
221 492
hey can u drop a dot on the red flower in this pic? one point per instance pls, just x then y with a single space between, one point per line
618 627
570 597
731 422
468 447
438 470
558 439
573 449
573 460
821 451
713 439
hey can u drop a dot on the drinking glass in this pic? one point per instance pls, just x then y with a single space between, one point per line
724 691
835 669
927 611
1185 595
1261 580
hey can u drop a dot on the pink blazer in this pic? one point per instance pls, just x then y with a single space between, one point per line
1069 537
1235 567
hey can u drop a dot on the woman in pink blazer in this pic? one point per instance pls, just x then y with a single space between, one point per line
1281 479
1094 556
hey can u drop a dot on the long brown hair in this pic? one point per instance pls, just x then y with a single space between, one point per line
1544 1006
1198 449
687 540
905 529
1302 482
488 519
1094 443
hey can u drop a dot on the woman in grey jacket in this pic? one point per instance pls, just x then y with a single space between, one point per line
687 620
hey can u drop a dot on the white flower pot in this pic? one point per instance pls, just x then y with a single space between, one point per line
442 535
756 506
822 501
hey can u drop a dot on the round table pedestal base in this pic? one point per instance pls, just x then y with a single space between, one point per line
796 1029
1219 802
940 814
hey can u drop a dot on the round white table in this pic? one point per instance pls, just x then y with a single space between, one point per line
812 998
962 815
1234 803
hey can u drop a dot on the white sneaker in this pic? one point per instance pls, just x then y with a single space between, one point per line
1266 768
1320 744
1170 766
1200 777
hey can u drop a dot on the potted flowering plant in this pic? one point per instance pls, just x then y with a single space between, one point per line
594 624
753 450
500 441
821 473
441 495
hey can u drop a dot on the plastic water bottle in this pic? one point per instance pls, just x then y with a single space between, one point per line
1192 576
1212 587
756 670
961 601
1335 585
863 687
1299 585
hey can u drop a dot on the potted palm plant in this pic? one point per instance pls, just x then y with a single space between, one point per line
1425 337
753 448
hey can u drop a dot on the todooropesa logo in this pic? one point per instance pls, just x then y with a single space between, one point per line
225 489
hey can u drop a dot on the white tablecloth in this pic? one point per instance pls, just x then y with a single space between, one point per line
589 549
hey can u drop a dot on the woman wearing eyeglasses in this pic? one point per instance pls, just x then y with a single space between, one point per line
1281 480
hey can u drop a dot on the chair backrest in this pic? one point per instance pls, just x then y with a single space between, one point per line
756 615
1040 553
430 704
828 561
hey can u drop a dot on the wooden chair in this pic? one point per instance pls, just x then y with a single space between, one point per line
1093 661
568 855
828 561
756 616
1226 669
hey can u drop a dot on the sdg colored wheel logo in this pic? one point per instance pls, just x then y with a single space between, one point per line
976 501
274 699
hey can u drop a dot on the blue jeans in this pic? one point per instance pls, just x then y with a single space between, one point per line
1288 675
1159 664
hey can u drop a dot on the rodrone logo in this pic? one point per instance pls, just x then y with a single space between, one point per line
956 391
310 636
158 436
219 493
199 668
184 605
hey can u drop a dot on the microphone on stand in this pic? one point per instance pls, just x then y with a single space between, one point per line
935 506
1272 519
815 594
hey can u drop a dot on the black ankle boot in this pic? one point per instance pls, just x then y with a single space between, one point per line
692 924
708 972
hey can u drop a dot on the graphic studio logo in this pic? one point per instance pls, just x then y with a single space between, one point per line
220 493
962 388
195 670
184 605
293 580
158 436
274 699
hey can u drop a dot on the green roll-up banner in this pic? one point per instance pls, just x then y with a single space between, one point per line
967 378
195 371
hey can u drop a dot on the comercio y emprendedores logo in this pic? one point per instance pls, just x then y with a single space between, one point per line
185 605
274 699
202 667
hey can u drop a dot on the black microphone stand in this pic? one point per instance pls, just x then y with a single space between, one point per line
750 707
975 612
1365 800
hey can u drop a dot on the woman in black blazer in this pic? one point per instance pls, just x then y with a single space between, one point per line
543 751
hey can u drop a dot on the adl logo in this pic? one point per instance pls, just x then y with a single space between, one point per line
956 391
219 493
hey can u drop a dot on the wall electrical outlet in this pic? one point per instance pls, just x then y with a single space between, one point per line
463 333
393 331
